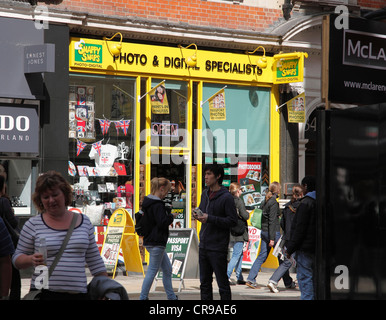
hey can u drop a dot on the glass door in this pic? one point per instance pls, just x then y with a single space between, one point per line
169 112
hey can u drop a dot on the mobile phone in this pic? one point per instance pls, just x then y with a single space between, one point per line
198 212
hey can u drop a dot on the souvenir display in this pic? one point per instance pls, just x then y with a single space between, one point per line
99 161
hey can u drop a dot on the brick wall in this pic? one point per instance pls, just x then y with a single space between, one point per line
376 4
194 12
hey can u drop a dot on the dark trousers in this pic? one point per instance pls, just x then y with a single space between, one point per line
214 261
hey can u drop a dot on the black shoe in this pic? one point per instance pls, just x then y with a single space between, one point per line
241 282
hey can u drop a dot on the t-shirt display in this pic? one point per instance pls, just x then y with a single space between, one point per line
104 160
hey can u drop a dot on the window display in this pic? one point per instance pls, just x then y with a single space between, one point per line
100 167
20 176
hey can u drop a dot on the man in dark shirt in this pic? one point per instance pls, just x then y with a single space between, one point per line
303 239
218 216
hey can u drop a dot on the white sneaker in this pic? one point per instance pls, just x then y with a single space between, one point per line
272 287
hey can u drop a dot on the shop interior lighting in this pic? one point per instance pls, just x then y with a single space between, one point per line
192 60
114 49
262 61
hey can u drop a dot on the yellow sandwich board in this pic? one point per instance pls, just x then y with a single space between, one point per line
120 234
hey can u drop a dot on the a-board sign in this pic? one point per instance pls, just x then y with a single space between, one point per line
120 235
182 250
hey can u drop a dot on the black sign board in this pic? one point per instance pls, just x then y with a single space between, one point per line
357 62
182 250
19 129
39 58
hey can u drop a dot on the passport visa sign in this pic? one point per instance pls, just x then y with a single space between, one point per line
182 250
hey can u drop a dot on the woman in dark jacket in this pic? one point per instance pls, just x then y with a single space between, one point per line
159 219
270 231
237 241
289 212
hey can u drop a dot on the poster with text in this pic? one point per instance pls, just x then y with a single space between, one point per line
249 177
251 247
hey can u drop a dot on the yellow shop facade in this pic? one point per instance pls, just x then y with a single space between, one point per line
138 111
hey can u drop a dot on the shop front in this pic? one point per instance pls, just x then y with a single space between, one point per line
147 111
30 72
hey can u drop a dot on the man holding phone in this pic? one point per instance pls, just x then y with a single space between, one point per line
217 213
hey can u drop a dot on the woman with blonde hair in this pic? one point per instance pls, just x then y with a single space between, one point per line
270 230
237 240
158 218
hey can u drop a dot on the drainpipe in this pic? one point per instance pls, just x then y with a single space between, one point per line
287 8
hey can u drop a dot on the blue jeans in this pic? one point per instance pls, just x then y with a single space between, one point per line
282 272
236 260
158 260
263 255
304 262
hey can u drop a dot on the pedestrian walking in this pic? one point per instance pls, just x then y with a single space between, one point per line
289 212
238 236
217 215
158 218
303 239
270 231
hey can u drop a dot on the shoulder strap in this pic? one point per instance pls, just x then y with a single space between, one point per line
64 244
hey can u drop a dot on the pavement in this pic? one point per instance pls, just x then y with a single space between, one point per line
189 289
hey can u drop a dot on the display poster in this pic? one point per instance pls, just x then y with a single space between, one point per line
111 248
297 109
159 100
217 110
182 250
251 248
82 112
120 236
179 207
249 177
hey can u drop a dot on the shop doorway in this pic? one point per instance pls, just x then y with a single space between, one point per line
177 197
170 113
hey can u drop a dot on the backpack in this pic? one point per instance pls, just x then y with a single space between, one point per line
240 227
141 224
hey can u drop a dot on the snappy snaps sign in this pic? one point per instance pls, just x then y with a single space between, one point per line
288 67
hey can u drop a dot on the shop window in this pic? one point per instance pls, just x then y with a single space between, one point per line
101 143
236 135
240 125
20 177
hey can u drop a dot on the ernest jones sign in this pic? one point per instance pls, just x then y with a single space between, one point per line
19 129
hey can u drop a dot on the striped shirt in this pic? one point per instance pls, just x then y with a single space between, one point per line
70 273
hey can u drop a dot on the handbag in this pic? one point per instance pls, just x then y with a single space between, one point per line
256 218
35 294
